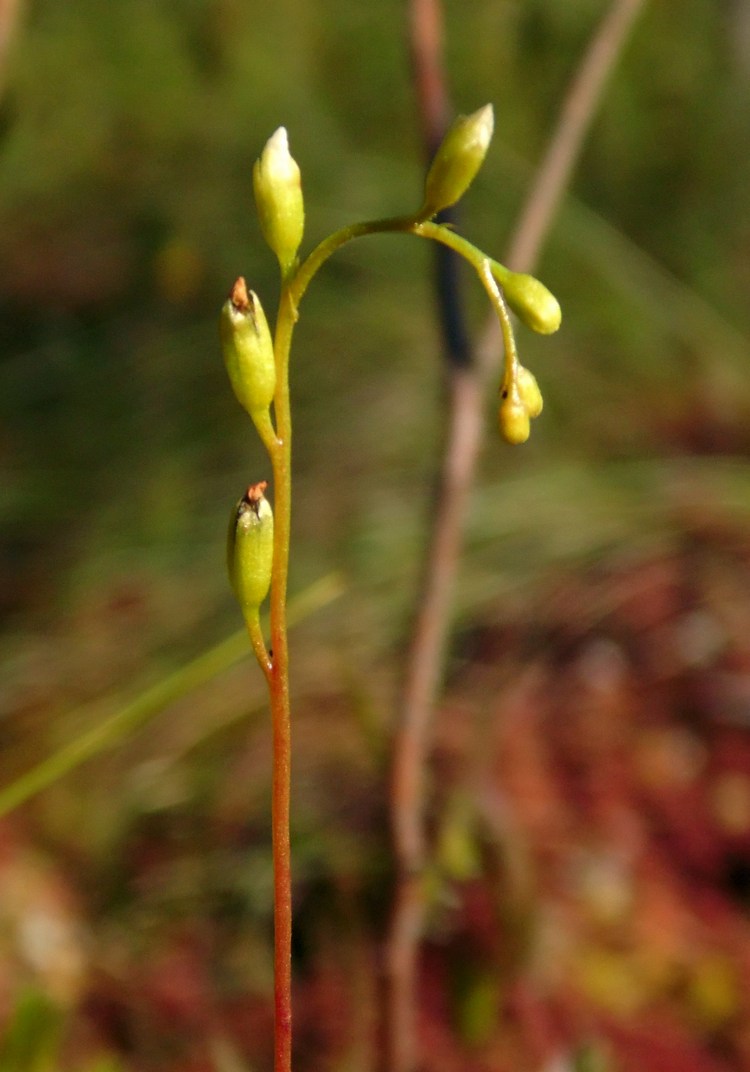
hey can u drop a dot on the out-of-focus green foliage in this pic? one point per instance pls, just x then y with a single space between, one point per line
127 136
30 1040
126 145
125 211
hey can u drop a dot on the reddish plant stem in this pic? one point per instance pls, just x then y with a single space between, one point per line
282 876
280 825
280 705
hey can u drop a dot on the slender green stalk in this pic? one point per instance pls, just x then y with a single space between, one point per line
510 370
315 260
389 224
266 431
258 644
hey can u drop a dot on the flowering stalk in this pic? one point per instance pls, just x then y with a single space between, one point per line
258 368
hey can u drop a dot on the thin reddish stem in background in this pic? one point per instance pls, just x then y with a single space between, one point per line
426 45
461 450
563 151
429 631
554 172
10 16
425 662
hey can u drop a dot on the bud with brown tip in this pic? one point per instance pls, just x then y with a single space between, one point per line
250 548
248 349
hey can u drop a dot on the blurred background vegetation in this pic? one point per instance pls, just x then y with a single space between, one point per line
127 135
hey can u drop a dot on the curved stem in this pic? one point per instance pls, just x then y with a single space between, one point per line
489 282
413 225
254 631
439 233
265 429
315 260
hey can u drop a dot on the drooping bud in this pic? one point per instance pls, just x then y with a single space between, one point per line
513 416
457 160
250 548
534 305
278 199
248 349
528 392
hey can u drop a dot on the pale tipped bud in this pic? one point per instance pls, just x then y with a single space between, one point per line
250 548
278 198
513 417
528 392
457 160
248 349
534 305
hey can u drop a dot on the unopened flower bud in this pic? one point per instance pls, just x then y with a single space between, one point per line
248 349
533 304
514 421
457 160
278 198
250 548
528 392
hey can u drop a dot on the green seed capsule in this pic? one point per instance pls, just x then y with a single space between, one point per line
250 548
248 349
515 426
528 392
457 160
278 198
534 305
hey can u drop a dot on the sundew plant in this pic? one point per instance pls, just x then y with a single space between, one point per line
257 360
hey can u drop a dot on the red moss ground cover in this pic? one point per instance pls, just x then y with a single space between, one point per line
591 881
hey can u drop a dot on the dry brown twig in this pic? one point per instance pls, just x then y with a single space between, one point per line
564 148
464 426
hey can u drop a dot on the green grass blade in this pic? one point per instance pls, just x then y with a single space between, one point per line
148 704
